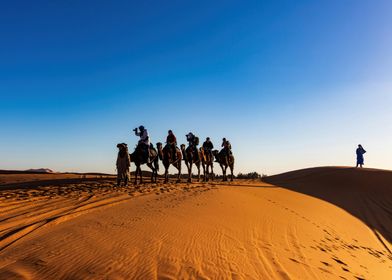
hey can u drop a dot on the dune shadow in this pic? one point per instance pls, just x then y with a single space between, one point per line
364 193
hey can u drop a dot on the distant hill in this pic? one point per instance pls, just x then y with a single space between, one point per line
29 171
40 170
50 171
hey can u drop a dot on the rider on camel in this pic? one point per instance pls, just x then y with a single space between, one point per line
208 146
226 151
144 141
193 141
171 141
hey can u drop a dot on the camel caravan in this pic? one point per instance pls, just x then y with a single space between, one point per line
171 154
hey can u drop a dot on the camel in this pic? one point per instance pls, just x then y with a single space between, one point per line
224 163
138 157
189 155
207 161
165 155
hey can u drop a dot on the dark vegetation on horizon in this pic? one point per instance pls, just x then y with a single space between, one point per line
250 175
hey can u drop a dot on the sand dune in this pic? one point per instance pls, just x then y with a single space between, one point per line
309 224
364 193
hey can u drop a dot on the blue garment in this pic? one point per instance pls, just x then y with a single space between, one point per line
360 152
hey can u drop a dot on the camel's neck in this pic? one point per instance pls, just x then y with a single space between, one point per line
160 153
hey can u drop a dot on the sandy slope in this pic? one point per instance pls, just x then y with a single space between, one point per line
28 179
243 230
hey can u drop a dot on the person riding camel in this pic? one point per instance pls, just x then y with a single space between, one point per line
208 146
226 151
193 141
144 141
171 141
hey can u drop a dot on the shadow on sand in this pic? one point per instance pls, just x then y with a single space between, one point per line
364 193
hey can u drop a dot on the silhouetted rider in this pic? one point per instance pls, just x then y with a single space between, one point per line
171 140
144 141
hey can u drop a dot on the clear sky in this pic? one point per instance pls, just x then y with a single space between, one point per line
291 84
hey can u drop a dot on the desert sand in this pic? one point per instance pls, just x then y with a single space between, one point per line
320 223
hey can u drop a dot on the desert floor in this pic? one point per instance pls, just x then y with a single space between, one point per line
321 223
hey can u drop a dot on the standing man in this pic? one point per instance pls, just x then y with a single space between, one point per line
360 151
122 164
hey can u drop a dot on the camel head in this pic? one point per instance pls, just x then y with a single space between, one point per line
160 151
122 146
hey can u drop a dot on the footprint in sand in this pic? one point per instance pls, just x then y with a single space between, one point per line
324 270
339 261
294 260
325 263
345 269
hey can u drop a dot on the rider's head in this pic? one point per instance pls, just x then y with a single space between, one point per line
208 138
170 132
224 139
141 128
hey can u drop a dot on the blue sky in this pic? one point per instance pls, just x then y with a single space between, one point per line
292 84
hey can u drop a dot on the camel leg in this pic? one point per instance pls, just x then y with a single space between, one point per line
224 173
198 172
156 165
179 176
140 175
190 172
166 175
232 176
204 172
179 173
136 174
152 171
207 170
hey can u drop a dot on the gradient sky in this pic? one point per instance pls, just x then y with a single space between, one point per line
292 84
